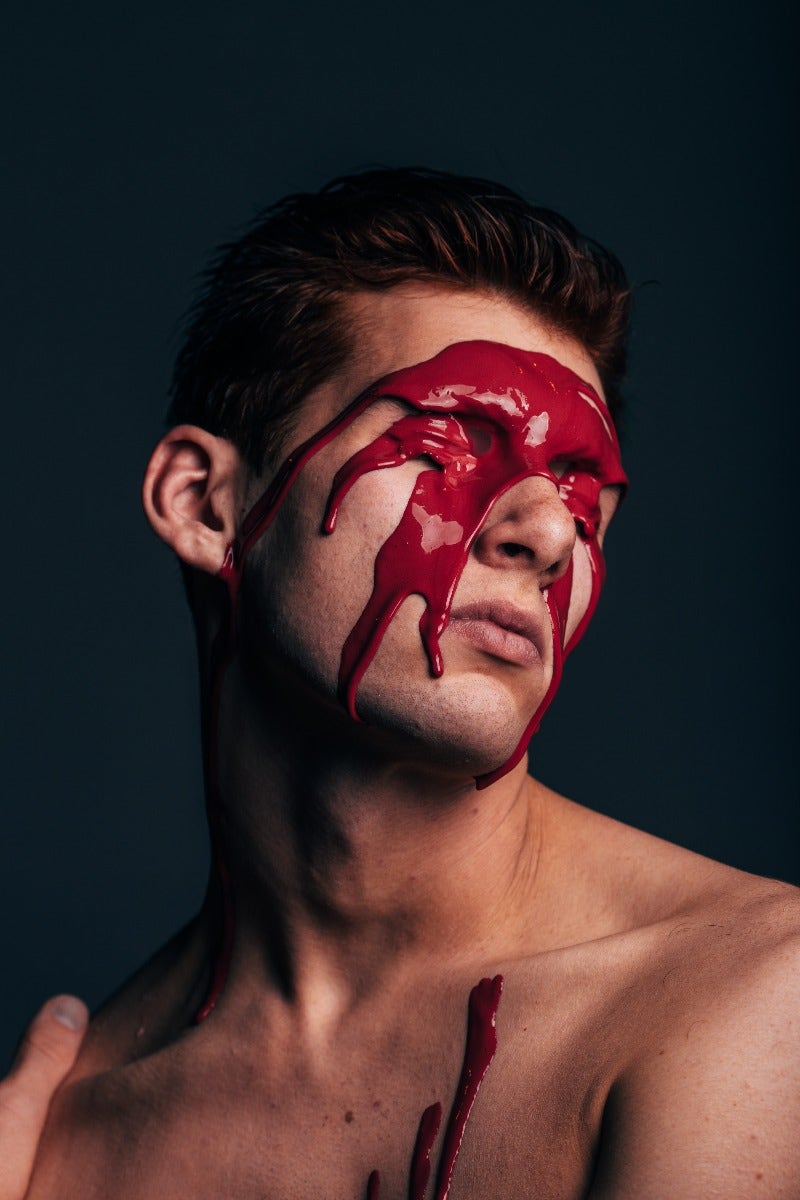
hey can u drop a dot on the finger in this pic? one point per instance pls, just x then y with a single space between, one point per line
46 1054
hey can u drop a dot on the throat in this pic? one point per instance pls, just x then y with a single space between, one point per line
341 875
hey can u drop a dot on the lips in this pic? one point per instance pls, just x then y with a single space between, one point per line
501 629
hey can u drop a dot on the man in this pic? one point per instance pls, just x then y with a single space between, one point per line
418 971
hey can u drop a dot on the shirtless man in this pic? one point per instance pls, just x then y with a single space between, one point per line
391 431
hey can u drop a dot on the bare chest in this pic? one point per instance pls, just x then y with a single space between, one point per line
499 1098
520 1117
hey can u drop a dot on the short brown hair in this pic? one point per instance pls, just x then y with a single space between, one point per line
267 328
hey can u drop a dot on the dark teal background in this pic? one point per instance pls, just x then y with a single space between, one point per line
140 137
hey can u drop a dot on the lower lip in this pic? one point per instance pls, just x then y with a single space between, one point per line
497 641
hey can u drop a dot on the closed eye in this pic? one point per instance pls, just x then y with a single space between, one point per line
461 430
560 466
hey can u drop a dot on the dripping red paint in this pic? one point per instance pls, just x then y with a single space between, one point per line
488 416
485 416
484 1000
420 1171
374 1186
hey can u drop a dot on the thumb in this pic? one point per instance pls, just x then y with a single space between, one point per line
46 1054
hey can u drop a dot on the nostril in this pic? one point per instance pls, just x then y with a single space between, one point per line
555 570
514 550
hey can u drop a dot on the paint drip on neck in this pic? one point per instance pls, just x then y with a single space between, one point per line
481 418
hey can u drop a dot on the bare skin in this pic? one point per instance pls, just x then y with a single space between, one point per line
645 1032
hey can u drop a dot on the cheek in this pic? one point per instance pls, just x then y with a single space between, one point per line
583 574
307 588
581 587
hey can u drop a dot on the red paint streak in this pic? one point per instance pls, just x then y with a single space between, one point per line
489 416
484 1000
374 1186
253 526
222 653
420 1171
485 416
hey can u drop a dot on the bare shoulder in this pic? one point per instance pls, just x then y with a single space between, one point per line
707 1102
685 977
731 966
710 946
151 1008
647 887
130 1079
119 1124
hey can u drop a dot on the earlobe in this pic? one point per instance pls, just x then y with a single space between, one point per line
191 494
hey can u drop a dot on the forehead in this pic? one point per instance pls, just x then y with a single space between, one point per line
413 322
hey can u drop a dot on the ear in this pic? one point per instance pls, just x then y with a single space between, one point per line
191 494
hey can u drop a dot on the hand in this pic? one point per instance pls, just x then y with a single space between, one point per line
46 1054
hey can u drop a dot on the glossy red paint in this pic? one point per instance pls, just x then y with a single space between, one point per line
483 417
487 417
484 1000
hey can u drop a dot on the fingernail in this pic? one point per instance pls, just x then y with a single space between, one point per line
70 1011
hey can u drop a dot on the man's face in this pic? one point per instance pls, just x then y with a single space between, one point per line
306 590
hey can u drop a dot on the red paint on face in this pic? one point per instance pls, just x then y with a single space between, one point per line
488 416
485 416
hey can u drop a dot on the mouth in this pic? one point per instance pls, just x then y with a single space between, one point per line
501 629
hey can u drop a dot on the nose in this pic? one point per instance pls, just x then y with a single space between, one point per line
528 528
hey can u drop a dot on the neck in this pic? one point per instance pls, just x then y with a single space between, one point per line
350 862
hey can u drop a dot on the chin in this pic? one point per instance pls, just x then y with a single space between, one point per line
470 724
